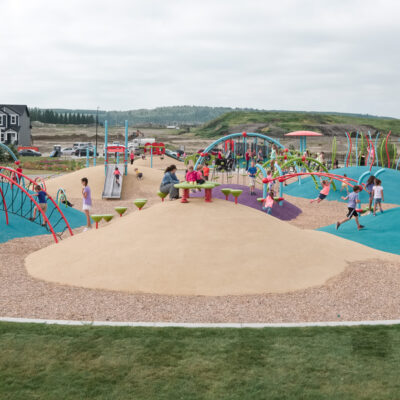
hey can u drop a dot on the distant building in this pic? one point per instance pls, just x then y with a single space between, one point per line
15 125
172 127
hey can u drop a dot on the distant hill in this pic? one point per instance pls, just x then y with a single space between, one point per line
277 123
175 115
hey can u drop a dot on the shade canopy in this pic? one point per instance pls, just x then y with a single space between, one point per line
304 133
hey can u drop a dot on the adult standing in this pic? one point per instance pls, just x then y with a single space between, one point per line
247 157
168 182
87 202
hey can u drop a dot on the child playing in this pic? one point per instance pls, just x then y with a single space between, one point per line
326 187
351 205
139 175
132 157
199 176
64 200
370 186
117 174
191 176
345 184
41 195
252 177
378 195
87 202
269 202
206 171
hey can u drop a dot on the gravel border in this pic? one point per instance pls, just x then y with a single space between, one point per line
366 290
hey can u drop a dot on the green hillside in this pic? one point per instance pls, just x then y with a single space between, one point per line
277 123
174 115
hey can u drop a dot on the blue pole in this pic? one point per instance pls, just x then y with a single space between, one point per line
376 149
94 156
87 157
105 146
151 156
118 158
370 140
126 147
357 149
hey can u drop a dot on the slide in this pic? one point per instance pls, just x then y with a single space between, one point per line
111 189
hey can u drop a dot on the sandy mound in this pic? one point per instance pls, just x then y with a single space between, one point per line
132 188
197 249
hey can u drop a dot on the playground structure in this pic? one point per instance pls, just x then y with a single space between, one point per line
365 150
154 149
17 199
112 188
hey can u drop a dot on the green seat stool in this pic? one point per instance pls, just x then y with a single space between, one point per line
108 217
162 195
139 203
236 193
97 219
226 192
120 210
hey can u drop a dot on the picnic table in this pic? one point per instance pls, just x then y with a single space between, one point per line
187 186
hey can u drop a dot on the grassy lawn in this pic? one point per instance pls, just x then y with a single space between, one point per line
55 362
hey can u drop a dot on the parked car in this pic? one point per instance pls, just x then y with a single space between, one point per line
29 153
68 151
82 152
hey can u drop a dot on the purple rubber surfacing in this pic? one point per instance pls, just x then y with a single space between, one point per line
286 212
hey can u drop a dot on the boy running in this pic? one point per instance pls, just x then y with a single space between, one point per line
351 205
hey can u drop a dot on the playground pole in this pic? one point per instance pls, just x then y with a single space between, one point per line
126 147
151 156
95 154
376 149
105 146
87 157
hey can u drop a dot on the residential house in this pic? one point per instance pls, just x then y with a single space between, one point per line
15 125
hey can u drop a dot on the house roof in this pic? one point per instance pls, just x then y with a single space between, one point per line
303 133
18 108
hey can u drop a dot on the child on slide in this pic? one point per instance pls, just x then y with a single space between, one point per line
351 205
42 200
326 187
377 192
117 174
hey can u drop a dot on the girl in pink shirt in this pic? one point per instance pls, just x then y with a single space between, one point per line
269 202
191 176
326 187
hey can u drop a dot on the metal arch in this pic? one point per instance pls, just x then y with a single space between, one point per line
9 151
366 173
234 135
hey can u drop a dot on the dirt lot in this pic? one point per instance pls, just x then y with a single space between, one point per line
45 136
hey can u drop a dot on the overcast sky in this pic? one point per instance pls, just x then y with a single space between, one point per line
323 55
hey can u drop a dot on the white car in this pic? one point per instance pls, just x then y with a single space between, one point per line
68 151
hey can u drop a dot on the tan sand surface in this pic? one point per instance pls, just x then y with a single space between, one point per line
132 187
198 249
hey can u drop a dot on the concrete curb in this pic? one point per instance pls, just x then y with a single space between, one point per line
200 325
